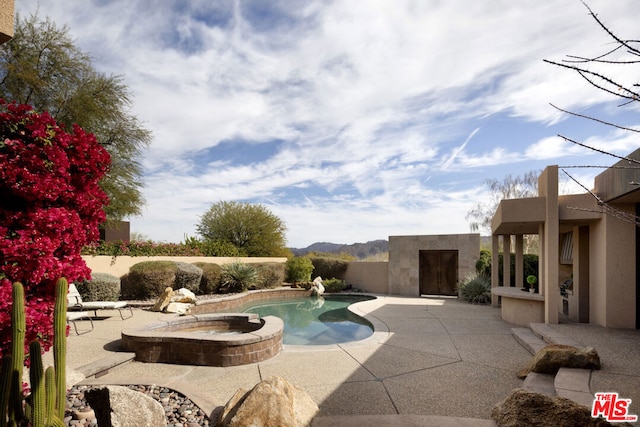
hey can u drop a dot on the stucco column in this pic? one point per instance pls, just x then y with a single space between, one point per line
506 260
548 188
519 260
495 268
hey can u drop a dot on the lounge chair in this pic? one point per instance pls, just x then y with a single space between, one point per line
75 304
73 316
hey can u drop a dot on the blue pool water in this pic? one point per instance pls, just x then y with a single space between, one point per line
317 321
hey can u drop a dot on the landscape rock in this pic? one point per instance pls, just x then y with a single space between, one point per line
317 288
272 402
555 356
117 406
183 295
188 276
163 301
522 408
180 308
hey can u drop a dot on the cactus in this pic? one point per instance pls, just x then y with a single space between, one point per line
18 328
37 385
60 344
46 404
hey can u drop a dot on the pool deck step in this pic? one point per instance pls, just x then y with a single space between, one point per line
399 420
570 383
102 366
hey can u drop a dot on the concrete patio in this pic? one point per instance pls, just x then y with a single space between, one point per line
428 359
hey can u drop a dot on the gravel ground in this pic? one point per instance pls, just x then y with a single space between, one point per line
180 411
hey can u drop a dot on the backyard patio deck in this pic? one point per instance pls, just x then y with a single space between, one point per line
429 358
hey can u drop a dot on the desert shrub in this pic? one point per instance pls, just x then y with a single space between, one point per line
237 277
101 287
187 276
148 279
334 285
270 275
483 265
220 249
326 267
299 269
476 289
529 264
210 280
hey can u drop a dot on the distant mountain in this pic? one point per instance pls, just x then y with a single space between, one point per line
359 250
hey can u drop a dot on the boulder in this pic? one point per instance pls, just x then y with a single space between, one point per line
163 301
555 356
188 276
117 406
317 288
183 295
180 308
522 408
272 402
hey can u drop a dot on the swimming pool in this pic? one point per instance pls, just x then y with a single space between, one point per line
316 321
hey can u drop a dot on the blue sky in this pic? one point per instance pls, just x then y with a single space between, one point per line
350 120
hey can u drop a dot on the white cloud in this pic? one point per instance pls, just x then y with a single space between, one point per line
369 102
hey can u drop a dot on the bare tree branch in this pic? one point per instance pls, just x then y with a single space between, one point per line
598 150
595 119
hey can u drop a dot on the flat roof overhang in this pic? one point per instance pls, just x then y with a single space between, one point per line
519 216
621 182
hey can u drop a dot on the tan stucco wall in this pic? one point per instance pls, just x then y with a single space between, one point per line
612 272
6 20
119 266
369 276
404 258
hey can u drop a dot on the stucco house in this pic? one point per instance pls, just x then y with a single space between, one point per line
589 263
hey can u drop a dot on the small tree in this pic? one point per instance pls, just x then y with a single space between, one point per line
50 207
253 229
43 68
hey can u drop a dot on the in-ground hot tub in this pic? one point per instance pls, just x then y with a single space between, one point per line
207 339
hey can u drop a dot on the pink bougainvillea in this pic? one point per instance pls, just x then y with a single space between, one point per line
50 208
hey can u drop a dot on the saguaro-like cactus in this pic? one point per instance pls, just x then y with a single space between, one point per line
46 403
60 345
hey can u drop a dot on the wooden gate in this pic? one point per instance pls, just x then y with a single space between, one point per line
438 272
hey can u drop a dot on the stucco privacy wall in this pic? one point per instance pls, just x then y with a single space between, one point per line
404 258
6 20
368 276
119 266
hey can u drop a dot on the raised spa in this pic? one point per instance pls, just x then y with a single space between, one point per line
207 339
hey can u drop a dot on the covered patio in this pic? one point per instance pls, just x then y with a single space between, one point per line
587 255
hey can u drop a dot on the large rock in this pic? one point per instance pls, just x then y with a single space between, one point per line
117 406
272 402
317 288
555 356
180 308
183 295
163 300
523 408
188 276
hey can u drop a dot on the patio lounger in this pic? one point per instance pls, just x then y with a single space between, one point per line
74 316
75 303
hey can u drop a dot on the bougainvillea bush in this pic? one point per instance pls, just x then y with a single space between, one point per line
50 207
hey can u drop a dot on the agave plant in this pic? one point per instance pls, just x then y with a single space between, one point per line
476 289
237 277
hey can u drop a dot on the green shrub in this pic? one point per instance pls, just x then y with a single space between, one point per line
476 289
529 264
237 277
187 276
326 267
101 287
334 285
270 274
210 280
299 269
220 249
148 279
483 265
